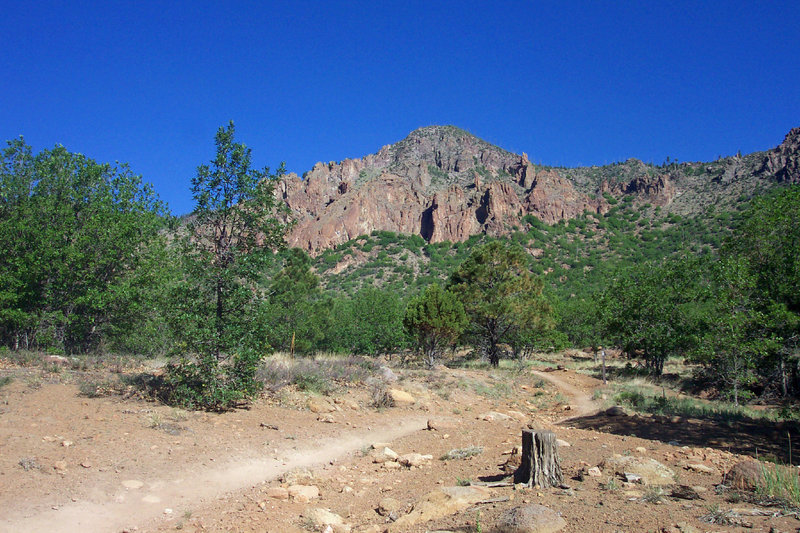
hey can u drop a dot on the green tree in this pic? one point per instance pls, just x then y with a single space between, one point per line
370 323
72 234
228 242
500 295
434 319
296 311
737 336
768 238
651 310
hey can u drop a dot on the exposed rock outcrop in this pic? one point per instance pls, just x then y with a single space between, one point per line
445 184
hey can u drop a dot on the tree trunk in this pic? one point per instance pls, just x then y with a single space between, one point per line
540 466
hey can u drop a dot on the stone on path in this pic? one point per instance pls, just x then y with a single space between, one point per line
530 519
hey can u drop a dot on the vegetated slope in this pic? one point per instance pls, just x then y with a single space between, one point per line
574 257
442 183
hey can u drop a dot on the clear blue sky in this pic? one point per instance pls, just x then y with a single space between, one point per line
570 83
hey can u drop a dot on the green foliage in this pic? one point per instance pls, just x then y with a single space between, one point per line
370 323
295 314
73 236
434 319
501 296
227 244
650 310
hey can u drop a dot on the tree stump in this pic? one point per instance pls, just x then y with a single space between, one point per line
540 464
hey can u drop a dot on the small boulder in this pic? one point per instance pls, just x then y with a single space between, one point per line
700 467
387 506
530 519
414 459
320 405
745 475
562 443
298 476
651 471
278 493
387 374
320 519
615 411
442 424
303 493
401 397
594 472
439 503
491 416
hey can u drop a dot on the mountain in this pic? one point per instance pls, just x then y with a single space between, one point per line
444 184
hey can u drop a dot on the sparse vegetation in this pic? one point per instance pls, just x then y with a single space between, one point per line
462 453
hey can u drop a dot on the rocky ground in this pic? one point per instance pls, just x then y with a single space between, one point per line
436 461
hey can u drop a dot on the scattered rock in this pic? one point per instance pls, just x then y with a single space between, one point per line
594 472
493 415
298 476
745 475
684 492
442 424
348 403
651 471
320 518
563 443
387 374
86 464
387 454
641 450
414 459
320 405
392 465
632 478
66 443
700 467
303 493
387 506
278 493
530 519
401 397
439 503
615 411
326 418
60 467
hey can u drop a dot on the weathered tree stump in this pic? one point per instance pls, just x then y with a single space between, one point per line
540 464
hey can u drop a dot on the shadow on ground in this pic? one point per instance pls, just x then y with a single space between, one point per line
756 438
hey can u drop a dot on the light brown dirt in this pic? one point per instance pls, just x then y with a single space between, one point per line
211 472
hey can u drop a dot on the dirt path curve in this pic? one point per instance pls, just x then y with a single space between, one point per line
581 400
136 506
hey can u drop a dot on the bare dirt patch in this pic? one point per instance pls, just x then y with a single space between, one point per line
72 463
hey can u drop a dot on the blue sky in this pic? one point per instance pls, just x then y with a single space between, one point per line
570 83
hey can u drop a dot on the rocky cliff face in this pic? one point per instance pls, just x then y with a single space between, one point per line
444 184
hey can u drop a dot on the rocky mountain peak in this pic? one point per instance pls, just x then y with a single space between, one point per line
445 184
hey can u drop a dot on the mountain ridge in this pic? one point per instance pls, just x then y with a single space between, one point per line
446 184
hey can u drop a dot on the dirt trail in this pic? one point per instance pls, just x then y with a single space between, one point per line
580 400
177 490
